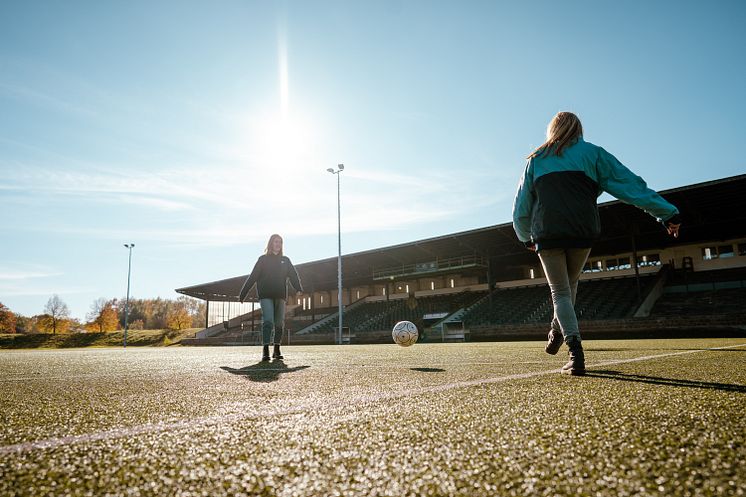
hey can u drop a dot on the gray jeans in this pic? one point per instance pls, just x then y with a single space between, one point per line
562 268
273 319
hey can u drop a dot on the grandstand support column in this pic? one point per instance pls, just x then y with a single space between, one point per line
207 313
633 235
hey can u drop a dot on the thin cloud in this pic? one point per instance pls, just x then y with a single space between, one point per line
42 99
16 274
17 291
230 205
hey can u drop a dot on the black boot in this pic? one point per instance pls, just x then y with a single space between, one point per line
276 354
265 353
554 341
576 365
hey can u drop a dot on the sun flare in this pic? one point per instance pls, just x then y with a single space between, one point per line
285 142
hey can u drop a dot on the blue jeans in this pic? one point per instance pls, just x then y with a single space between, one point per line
562 268
273 319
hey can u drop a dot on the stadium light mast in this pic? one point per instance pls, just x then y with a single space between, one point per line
129 246
341 168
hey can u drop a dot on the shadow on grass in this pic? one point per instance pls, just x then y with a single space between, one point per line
655 380
264 372
428 370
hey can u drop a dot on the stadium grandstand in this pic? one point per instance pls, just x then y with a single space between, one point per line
483 284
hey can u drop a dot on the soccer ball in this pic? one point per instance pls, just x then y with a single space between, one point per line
405 333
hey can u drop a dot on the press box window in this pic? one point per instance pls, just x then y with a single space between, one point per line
742 249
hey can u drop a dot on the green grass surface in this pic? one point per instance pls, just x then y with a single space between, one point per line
135 338
432 419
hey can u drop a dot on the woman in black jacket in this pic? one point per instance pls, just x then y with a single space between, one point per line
270 274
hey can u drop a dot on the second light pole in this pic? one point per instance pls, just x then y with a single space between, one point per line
129 247
341 168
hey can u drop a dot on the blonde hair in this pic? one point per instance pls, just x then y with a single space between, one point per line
269 244
564 129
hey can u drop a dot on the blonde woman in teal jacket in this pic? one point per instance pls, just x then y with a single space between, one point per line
555 213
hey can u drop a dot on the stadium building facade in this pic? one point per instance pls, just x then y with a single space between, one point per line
459 285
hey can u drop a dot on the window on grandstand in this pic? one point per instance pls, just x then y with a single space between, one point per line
709 253
725 251
432 285
358 295
612 264
649 260
453 283
532 273
593 267
722 251
742 249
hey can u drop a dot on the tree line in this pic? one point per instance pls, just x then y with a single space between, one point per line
108 315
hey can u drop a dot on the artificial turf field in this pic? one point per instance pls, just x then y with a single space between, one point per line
653 417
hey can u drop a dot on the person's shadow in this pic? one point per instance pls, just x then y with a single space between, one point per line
428 370
264 372
655 380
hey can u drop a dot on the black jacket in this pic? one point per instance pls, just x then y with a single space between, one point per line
555 206
270 274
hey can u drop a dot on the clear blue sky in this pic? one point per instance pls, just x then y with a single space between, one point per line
197 129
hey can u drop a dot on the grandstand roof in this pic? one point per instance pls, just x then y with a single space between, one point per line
714 210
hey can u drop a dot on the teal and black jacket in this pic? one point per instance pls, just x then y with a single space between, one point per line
556 202
270 274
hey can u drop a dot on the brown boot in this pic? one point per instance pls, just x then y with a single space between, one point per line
554 342
576 365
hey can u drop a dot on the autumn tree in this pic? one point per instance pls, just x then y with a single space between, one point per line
178 317
7 320
57 314
102 316
46 323
23 324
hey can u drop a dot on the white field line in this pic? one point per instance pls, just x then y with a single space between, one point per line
196 423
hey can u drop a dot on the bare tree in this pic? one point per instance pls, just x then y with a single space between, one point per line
57 311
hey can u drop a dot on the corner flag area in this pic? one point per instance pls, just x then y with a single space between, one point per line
653 417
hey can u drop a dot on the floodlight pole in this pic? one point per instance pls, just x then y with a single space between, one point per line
339 253
129 246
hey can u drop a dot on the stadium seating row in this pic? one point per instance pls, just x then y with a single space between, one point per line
597 299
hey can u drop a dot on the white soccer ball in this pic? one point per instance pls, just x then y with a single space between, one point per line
405 333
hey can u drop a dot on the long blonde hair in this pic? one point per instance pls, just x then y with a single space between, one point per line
268 250
564 129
